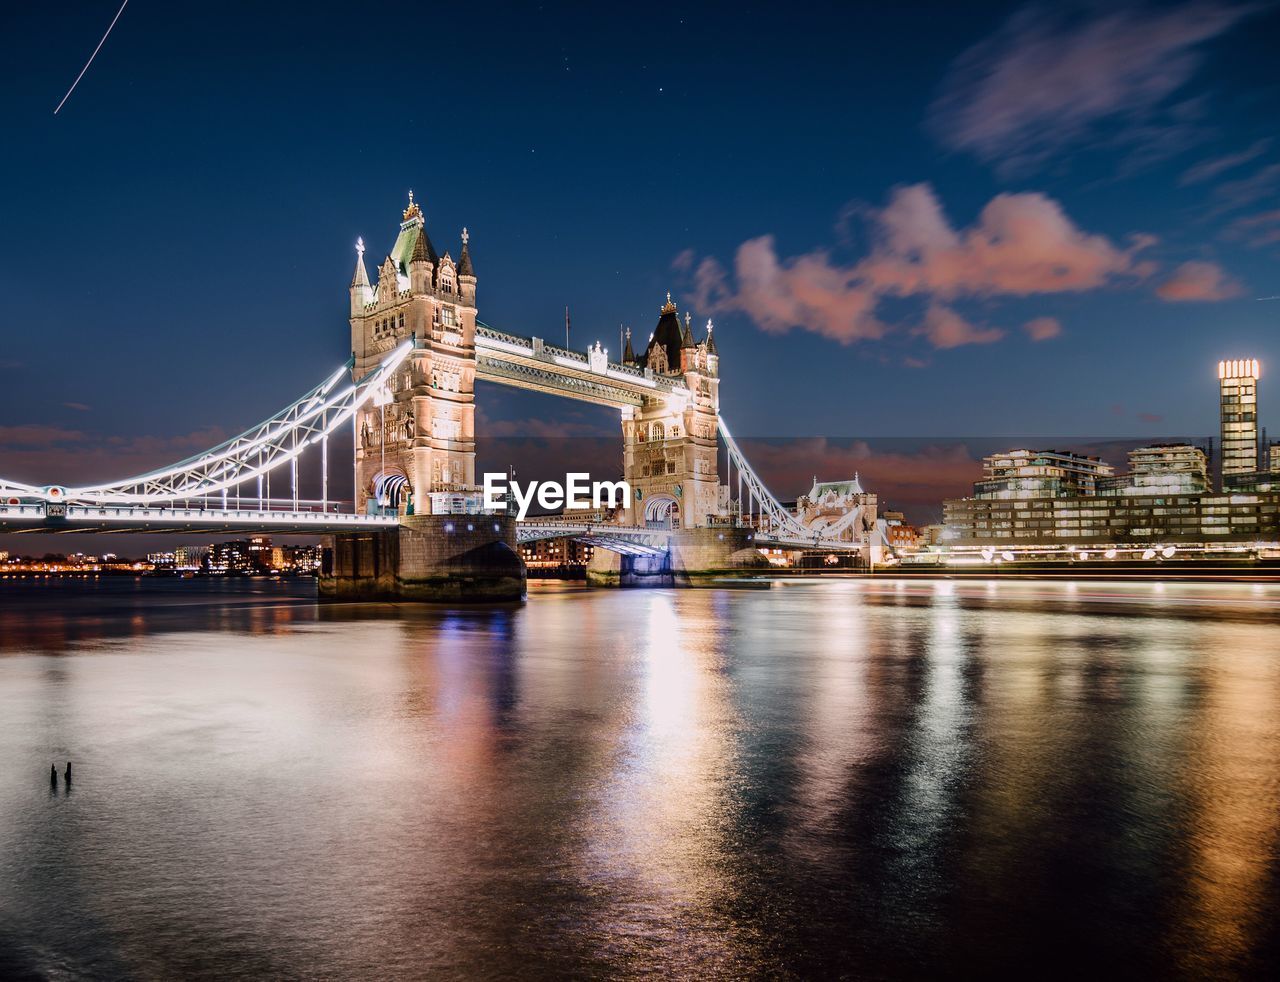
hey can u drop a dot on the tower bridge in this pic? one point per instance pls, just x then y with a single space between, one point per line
406 402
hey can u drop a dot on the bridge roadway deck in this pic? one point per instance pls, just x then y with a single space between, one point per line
46 518
152 519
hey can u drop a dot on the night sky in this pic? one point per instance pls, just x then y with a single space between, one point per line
906 219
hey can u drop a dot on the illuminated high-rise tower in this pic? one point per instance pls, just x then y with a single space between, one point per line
1238 391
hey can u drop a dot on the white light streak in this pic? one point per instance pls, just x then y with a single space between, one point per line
92 56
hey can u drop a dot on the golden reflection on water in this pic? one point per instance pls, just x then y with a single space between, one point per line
1233 791
861 777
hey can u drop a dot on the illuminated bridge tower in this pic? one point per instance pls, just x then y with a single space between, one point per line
670 461
415 446
416 452
669 444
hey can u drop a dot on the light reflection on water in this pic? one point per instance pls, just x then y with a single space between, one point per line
871 778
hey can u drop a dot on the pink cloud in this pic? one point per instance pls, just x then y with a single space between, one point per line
37 434
808 292
946 329
1197 280
920 477
1042 328
38 454
1151 417
1020 245
1051 73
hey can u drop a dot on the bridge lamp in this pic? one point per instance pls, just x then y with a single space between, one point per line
1149 554
1008 556
988 554
1110 554
448 526
1168 552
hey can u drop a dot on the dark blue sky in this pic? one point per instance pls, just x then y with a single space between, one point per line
939 185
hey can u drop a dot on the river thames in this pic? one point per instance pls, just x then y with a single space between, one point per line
871 778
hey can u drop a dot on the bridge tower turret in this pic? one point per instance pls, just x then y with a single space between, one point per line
361 291
669 443
416 451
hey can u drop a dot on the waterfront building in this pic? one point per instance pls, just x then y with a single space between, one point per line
161 560
1099 521
1039 474
1252 481
230 557
259 549
1163 507
1162 468
190 557
556 553
1238 416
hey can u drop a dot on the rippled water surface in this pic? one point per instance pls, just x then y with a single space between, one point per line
862 778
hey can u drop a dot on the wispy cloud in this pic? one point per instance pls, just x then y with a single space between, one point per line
1245 192
1212 167
79 407
1198 281
1262 229
1053 73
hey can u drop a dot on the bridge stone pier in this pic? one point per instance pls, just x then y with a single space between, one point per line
436 558
697 557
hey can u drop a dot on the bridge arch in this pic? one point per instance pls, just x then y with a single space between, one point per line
390 488
662 511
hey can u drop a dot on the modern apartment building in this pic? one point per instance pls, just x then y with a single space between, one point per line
1238 416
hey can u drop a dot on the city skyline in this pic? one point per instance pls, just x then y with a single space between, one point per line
891 305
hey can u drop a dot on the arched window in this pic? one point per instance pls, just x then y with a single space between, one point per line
656 432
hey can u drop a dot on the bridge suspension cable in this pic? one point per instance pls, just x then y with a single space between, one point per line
247 457
761 501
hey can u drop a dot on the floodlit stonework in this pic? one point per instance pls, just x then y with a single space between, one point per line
416 451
